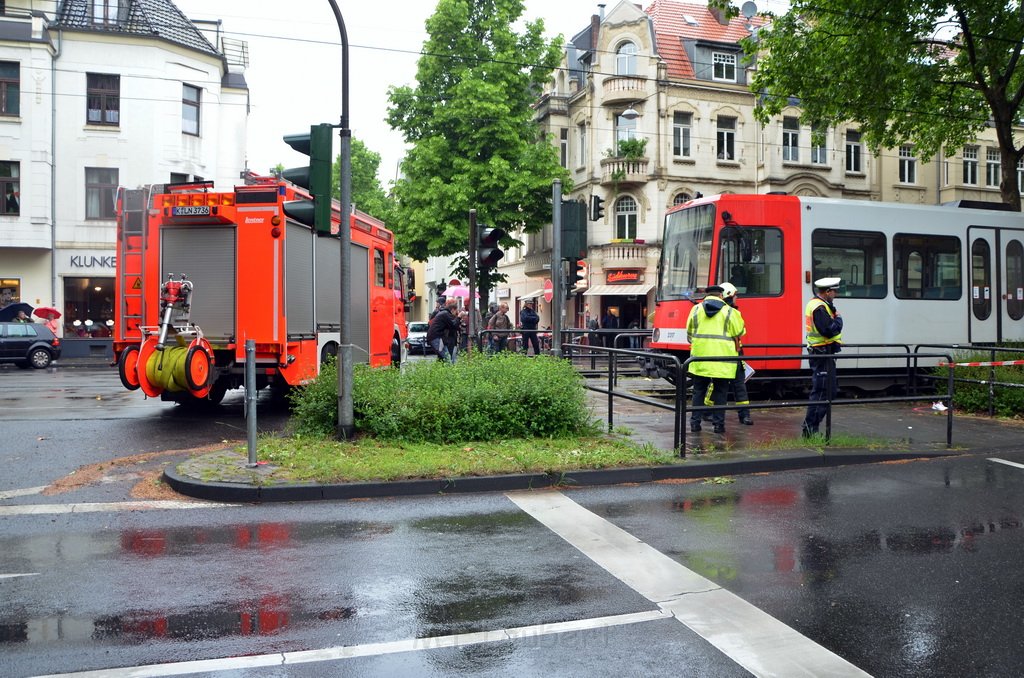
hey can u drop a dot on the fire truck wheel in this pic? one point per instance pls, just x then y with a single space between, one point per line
197 369
396 351
128 368
330 350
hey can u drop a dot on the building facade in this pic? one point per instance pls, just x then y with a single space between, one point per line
652 108
96 95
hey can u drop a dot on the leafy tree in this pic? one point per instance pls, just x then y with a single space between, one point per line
367 193
930 72
470 125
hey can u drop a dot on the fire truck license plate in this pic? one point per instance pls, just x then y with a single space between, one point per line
191 211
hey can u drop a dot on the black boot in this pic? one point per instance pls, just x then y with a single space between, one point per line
719 428
694 427
746 420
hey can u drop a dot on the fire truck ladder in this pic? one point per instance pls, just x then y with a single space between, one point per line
131 255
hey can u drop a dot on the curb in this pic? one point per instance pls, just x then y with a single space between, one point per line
248 493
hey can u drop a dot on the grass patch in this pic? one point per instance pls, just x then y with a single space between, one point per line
326 461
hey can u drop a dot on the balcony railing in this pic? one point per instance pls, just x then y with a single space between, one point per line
551 104
618 171
625 255
624 88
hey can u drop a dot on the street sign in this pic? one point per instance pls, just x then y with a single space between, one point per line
549 290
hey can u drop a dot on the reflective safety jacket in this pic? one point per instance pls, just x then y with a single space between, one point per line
827 328
714 329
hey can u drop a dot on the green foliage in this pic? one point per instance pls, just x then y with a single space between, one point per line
974 397
367 193
931 73
631 149
479 398
470 123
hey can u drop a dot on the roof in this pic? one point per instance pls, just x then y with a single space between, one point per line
150 18
671 28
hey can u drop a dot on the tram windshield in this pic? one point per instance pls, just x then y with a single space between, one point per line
686 252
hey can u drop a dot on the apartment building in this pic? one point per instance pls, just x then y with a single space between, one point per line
96 94
651 107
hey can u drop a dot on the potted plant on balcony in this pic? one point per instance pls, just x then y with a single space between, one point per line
632 149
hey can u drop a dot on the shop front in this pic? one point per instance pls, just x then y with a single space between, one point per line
88 304
622 300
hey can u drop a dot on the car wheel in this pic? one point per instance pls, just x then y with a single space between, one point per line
40 358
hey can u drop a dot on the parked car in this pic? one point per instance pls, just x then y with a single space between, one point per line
417 340
28 345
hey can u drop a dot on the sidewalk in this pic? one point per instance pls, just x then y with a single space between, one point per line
916 430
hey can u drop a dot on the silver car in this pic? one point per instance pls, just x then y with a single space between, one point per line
417 340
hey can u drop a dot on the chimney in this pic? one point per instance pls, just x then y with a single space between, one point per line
600 10
719 15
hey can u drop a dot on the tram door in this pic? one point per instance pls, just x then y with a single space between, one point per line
996 284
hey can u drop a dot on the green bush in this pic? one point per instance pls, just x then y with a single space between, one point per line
974 397
479 398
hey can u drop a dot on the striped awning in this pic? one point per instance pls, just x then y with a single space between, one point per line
629 290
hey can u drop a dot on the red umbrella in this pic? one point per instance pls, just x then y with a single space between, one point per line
47 313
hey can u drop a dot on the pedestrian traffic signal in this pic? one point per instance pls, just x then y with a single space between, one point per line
316 177
577 275
487 252
596 208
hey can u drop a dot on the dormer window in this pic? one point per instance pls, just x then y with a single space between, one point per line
625 59
104 12
723 67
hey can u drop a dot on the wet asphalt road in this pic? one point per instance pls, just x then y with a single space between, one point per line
906 569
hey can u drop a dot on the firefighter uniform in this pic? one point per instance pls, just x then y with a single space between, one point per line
823 327
713 329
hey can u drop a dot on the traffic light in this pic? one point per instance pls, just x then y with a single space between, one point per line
487 253
316 177
596 208
574 229
577 274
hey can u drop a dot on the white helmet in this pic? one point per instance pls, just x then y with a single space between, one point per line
728 290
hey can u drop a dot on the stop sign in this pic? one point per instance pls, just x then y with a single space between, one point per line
549 290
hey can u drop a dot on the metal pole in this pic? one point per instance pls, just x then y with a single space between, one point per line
346 416
556 268
471 271
250 399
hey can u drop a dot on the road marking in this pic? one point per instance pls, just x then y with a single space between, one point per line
369 649
19 574
749 636
1008 463
99 507
10 494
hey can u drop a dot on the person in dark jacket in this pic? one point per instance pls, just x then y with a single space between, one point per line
443 331
528 322
610 321
824 329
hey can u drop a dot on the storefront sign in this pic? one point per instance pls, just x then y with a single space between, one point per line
623 276
80 261
86 262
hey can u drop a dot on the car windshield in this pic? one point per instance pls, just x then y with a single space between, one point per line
418 327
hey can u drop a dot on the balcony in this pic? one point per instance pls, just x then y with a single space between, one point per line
620 89
624 171
626 255
551 104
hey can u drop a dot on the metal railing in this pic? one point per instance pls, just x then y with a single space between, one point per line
991 382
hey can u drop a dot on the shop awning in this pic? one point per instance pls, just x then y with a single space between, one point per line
534 294
629 290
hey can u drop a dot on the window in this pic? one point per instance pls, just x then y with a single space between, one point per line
1015 279
993 167
1020 174
726 138
103 99
858 257
680 199
10 88
686 252
751 259
853 148
563 147
378 268
581 150
723 67
791 139
926 266
681 134
908 165
971 165
625 59
625 218
624 129
105 12
179 178
10 291
100 189
981 279
819 146
190 109
10 187
88 307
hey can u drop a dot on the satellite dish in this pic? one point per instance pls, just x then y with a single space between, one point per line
749 9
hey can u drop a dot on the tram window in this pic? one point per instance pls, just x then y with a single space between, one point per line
981 279
1015 279
751 259
686 252
926 266
858 257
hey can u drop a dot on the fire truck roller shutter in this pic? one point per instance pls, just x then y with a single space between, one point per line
328 288
207 256
298 281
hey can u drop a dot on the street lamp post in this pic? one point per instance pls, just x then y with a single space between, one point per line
346 417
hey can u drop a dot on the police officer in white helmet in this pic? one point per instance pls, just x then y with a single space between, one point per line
824 330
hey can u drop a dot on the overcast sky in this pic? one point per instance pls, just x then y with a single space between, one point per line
294 72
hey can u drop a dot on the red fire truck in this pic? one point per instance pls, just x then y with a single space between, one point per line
200 272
